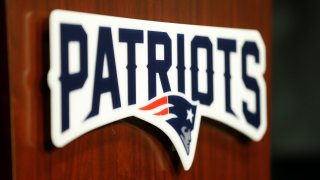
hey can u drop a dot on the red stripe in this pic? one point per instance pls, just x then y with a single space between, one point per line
156 103
163 112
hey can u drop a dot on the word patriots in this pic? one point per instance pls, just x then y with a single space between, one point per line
104 69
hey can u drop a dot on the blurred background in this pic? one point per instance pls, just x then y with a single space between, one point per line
296 89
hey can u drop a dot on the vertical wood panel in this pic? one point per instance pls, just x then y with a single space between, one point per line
129 148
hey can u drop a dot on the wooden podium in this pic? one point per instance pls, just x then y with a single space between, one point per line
127 149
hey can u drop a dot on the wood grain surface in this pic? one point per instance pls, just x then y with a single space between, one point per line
131 148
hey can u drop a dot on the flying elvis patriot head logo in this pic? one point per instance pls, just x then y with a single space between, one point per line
104 69
184 115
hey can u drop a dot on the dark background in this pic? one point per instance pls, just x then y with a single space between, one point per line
296 89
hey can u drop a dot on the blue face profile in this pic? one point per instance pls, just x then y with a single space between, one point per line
183 123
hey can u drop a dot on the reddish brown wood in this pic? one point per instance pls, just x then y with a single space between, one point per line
128 149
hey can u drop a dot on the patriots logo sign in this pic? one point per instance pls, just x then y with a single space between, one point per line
104 69
183 112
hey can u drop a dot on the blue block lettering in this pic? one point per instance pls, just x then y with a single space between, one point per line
131 37
108 84
250 48
196 43
228 46
70 82
160 66
181 67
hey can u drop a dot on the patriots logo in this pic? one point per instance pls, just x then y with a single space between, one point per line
96 77
184 115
